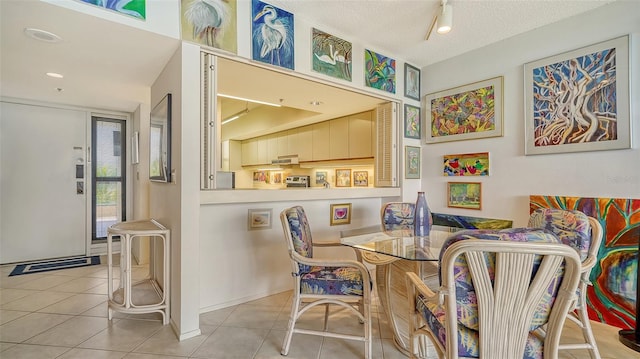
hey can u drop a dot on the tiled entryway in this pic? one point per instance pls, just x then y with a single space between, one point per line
63 314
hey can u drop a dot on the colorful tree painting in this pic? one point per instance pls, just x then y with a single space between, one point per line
612 297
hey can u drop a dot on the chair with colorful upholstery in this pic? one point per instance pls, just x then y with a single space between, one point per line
345 283
397 215
498 288
584 234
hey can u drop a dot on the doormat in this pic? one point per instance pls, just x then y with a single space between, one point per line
54 264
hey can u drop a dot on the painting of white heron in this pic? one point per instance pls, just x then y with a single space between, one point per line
210 23
272 35
331 55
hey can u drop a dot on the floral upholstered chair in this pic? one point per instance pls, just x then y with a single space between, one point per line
584 234
498 288
397 215
323 282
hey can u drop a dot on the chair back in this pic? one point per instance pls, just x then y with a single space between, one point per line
297 235
573 228
500 290
397 215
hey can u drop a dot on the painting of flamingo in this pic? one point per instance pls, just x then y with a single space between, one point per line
379 71
272 35
211 23
331 55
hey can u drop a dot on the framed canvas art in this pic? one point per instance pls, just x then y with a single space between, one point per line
271 35
411 162
467 164
379 71
197 18
133 8
411 121
343 178
464 195
579 100
466 112
259 218
411 82
360 178
340 214
331 55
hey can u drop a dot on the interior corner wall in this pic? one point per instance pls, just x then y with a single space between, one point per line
514 176
176 204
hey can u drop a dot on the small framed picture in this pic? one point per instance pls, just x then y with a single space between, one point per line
343 178
411 122
464 195
360 178
259 218
411 82
411 162
321 177
340 213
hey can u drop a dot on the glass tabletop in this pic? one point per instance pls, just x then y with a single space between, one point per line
398 243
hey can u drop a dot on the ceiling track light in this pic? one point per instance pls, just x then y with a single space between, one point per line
236 115
249 100
442 21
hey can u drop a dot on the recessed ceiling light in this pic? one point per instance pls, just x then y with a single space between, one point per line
59 89
54 74
315 103
42 35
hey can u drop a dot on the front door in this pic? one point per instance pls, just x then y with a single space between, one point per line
43 170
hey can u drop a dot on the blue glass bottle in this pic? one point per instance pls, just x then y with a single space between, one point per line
422 218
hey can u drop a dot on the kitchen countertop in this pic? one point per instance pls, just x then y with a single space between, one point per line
293 194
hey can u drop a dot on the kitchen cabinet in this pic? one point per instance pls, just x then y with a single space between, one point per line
283 143
262 155
360 128
292 142
339 138
250 152
305 143
321 145
272 146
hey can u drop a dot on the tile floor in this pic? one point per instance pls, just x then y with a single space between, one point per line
63 314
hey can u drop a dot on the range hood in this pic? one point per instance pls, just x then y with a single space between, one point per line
286 160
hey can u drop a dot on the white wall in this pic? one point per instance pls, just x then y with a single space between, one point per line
514 176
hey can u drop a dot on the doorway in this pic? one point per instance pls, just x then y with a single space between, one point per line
108 168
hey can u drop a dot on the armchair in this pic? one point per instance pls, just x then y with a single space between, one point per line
498 289
584 234
323 282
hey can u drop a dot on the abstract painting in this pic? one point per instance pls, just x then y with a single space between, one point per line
411 121
379 71
579 100
331 55
411 82
210 23
272 35
612 297
411 162
134 8
468 164
466 112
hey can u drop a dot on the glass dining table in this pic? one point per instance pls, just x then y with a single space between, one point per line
395 252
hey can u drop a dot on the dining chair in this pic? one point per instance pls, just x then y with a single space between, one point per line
498 288
397 215
345 283
584 234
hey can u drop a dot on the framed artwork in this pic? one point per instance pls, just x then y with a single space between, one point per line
411 121
343 178
411 82
411 162
468 164
133 8
268 23
259 218
224 37
466 112
379 71
360 178
321 177
464 195
340 214
160 141
579 100
331 55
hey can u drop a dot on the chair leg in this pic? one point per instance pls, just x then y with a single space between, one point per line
368 347
295 307
587 332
